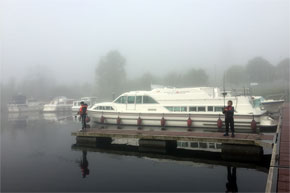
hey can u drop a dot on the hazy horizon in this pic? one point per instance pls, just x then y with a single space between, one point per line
68 37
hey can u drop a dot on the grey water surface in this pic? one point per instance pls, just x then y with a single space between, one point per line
37 156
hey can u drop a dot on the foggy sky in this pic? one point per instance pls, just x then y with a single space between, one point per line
70 36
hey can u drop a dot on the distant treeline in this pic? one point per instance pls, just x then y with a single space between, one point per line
112 80
111 77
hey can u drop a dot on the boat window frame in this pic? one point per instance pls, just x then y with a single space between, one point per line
201 107
153 101
221 108
131 102
169 108
176 107
141 97
183 107
195 107
212 110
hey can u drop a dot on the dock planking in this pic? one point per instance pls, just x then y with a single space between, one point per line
240 138
284 150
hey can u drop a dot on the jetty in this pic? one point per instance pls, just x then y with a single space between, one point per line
278 176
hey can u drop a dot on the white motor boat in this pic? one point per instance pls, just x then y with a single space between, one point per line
20 104
199 107
270 105
59 104
90 101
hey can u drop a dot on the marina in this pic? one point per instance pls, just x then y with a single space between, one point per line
145 96
250 145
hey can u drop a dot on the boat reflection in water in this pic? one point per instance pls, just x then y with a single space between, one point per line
195 159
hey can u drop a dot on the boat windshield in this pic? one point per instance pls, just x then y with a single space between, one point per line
257 102
135 99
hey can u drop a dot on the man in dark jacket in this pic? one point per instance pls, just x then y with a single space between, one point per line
229 118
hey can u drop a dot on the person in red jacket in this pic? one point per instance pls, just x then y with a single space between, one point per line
229 118
83 114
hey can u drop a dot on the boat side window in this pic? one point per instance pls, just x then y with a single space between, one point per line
194 144
109 108
138 99
148 100
183 109
192 109
131 99
218 109
176 109
169 108
118 100
201 109
210 108
121 99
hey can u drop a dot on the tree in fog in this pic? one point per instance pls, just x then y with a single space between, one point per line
172 79
110 75
38 82
194 77
259 70
141 83
236 75
190 78
282 70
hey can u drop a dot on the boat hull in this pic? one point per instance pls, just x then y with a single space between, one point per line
178 120
273 106
18 108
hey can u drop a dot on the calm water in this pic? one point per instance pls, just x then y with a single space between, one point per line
37 155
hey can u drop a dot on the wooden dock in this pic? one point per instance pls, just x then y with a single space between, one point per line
284 148
278 176
261 140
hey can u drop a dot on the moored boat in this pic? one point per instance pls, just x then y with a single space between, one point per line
20 103
90 101
59 104
199 107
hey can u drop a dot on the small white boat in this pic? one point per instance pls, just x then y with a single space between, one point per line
199 107
270 105
58 104
20 104
90 101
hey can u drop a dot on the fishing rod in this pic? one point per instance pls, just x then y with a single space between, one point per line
224 88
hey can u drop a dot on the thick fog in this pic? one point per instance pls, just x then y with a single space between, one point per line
68 37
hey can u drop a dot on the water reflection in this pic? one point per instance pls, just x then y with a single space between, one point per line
84 164
231 185
44 146
178 156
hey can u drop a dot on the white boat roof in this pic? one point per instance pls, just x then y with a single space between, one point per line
179 93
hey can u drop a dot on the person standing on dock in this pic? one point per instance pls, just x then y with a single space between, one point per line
229 118
83 114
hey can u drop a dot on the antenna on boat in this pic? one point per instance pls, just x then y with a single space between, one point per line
224 90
